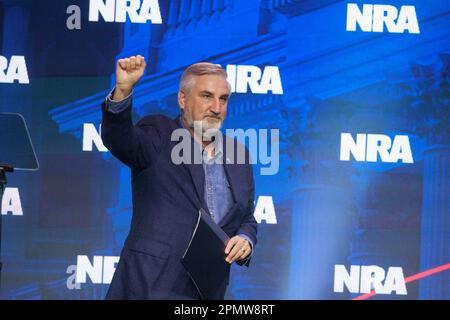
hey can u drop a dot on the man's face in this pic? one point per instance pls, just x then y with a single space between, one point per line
206 101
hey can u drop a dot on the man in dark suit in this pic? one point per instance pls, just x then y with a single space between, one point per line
167 195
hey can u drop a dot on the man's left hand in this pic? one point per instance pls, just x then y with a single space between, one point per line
237 248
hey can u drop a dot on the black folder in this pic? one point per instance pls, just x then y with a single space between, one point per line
204 259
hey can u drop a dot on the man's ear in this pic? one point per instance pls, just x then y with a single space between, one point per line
181 99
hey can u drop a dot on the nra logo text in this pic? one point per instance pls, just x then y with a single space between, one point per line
375 17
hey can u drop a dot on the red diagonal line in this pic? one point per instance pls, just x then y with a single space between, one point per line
412 278
427 273
365 296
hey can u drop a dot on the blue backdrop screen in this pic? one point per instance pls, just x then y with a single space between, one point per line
354 202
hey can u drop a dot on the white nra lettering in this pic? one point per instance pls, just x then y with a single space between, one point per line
16 70
100 271
368 147
117 11
91 136
11 202
364 279
243 77
265 210
374 17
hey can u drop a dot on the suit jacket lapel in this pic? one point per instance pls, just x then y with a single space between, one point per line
195 170
198 178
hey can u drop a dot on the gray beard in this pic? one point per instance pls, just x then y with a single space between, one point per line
203 128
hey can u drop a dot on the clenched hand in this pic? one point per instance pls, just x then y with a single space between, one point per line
128 72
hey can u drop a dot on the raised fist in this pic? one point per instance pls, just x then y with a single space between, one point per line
128 73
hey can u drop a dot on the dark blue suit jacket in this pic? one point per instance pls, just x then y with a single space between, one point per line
166 201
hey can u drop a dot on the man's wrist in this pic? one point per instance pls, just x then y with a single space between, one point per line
120 93
250 242
114 106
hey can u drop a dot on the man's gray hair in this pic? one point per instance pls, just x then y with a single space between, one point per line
200 69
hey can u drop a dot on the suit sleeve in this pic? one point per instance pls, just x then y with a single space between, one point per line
249 226
136 146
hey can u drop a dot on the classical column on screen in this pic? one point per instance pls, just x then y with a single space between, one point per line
321 211
431 103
